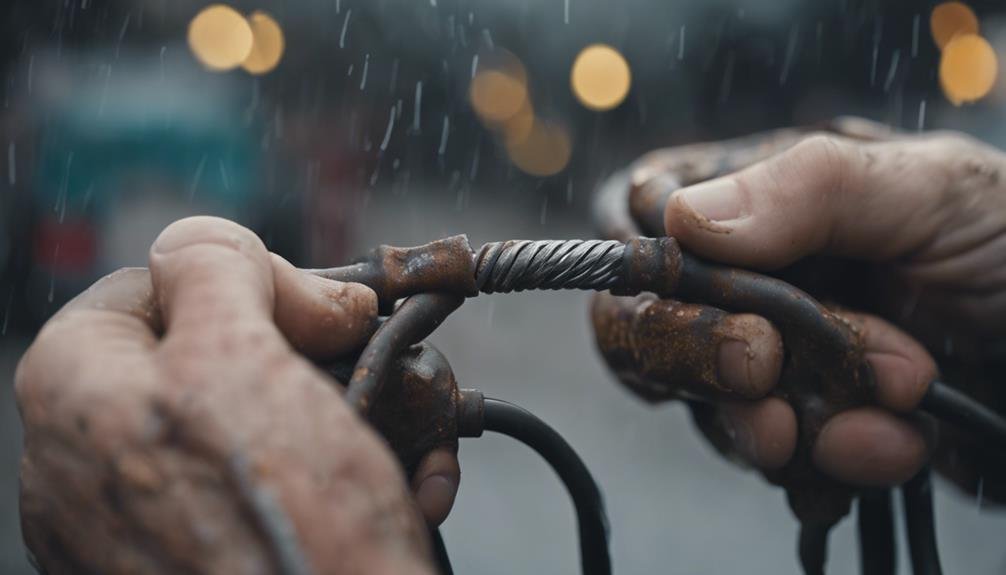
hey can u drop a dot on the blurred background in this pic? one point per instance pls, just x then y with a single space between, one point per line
329 126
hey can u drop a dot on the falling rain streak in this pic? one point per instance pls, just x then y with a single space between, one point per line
444 133
387 131
11 164
366 68
198 176
892 71
417 107
794 37
345 26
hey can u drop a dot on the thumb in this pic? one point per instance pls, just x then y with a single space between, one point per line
831 195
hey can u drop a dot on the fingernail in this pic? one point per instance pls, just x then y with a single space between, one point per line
734 360
436 494
717 200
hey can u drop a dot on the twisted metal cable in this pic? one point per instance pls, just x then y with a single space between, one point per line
518 265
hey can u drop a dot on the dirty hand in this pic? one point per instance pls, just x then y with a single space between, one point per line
167 411
926 218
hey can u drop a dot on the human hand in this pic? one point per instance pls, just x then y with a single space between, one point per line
166 412
925 217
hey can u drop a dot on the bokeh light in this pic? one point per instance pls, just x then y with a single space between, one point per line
267 46
518 126
600 77
545 150
951 19
220 37
968 69
499 90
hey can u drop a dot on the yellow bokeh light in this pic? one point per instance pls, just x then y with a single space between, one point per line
517 127
544 152
951 19
600 77
497 95
220 37
267 46
499 90
968 69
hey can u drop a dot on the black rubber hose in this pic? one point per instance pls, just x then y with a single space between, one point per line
813 548
440 552
520 424
878 548
969 415
918 497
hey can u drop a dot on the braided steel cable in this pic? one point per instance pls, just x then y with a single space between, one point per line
518 265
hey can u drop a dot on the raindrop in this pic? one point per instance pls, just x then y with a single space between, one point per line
366 67
728 77
475 64
433 3
820 40
544 210
873 64
11 164
104 90
569 191
345 26
223 175
794 37
915 36
387 132
338 6
394 76
892 71
31 68
163 50
475 160
681 43
122 34
417 107
6 311
52 276
488 38
565 12
197 177
444 133
922 115
398 109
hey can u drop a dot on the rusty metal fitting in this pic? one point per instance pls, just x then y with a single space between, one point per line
650 264
471 413
395 272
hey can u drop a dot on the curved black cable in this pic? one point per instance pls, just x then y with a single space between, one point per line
878 549
918 498
440 552
970 415
520 424
813 548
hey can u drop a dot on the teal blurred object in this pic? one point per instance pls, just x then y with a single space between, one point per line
190 139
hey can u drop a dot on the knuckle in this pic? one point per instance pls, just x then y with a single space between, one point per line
828 156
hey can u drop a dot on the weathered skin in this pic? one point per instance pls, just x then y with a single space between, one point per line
143 433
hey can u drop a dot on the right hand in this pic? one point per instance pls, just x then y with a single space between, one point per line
926 217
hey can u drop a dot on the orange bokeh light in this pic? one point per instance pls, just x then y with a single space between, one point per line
968 69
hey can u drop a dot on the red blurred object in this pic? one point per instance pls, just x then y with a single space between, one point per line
65 247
